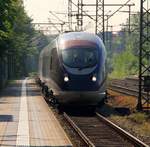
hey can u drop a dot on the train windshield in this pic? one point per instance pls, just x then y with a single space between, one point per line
81 57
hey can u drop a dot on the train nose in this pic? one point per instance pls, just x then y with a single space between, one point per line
82 83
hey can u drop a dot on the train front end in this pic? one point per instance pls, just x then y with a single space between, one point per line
83 64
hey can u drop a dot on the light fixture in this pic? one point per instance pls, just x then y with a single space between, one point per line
94 79
66 79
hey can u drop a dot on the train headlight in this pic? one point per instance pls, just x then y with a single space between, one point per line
94 78
66 79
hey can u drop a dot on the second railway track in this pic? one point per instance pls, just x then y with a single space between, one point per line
123 90
128 86
97 131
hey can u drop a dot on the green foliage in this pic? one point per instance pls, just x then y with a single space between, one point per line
33 74
16 36
125 62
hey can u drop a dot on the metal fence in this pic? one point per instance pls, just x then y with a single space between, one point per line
3 71
11 69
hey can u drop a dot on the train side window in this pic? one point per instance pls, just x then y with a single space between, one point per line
51 62
44 67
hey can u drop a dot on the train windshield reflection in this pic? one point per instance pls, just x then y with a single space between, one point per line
80 57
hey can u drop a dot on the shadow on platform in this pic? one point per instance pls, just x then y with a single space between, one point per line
6 118
30 146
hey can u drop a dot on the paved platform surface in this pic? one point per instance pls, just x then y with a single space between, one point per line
26 119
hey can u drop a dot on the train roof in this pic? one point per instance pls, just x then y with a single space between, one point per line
80 36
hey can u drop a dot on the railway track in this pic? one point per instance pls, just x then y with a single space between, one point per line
127 86
123 90
98 131
127 82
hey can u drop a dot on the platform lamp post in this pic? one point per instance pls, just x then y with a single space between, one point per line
144 54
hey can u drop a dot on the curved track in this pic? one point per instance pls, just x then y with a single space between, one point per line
98 131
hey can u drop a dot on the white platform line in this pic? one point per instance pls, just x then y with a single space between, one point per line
23 125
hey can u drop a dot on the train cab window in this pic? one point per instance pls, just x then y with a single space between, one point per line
80 57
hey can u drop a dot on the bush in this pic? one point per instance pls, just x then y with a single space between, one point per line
138 117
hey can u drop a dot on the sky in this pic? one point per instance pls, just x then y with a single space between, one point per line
38 10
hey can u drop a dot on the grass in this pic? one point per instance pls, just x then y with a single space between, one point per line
137 124
139 118
11 82
33 74
117 76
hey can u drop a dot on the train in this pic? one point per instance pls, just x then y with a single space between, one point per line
72 70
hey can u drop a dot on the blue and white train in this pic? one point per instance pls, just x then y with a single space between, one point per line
73 68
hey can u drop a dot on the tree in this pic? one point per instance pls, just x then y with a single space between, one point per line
16 37
125 63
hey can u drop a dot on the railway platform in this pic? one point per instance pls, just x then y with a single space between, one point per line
26 119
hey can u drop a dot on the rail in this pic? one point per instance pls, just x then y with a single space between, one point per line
78 130
122 133
136 142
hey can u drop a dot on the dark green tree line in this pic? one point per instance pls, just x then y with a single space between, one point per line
16 39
